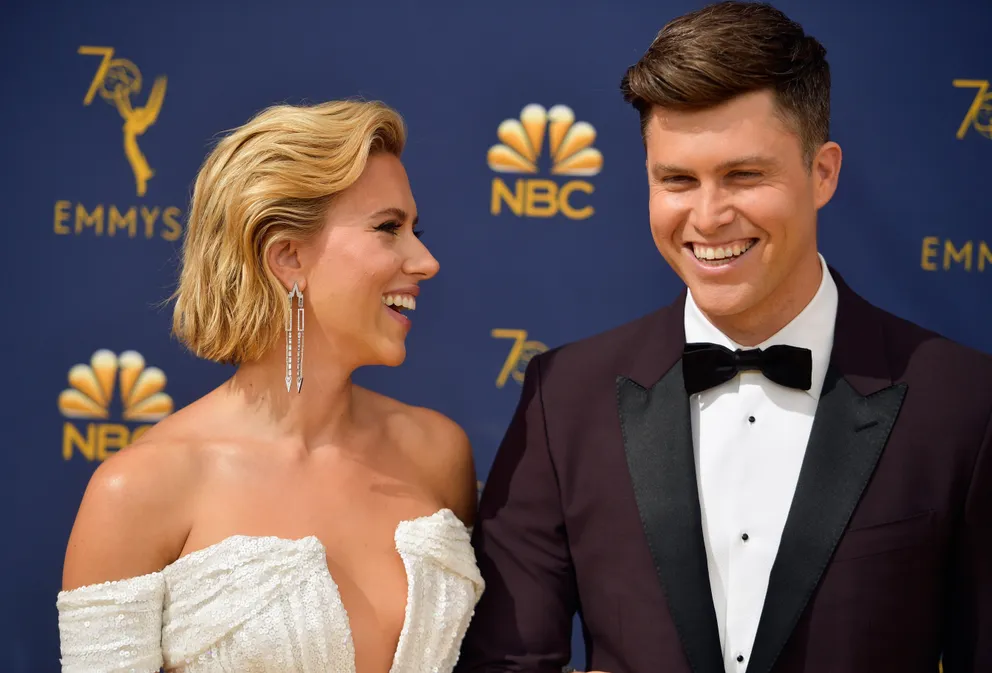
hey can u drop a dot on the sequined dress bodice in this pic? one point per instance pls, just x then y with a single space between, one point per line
267 605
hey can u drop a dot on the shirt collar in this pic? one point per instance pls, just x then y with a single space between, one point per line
813 328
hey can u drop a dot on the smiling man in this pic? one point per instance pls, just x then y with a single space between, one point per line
734 190
770 474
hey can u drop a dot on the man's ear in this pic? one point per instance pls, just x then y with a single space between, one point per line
826 173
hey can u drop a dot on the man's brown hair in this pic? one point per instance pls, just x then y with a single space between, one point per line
712 55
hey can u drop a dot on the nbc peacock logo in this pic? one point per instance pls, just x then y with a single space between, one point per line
90 397
569 152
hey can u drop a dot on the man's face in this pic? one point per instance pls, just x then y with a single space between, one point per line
733 204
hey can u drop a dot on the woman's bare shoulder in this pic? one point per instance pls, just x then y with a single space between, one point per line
136 510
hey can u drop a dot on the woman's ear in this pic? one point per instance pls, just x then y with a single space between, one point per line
284 260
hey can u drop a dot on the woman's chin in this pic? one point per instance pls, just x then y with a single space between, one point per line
392 355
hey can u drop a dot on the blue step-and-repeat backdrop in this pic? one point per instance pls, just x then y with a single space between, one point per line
109 108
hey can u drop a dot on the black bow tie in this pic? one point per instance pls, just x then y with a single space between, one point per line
705 365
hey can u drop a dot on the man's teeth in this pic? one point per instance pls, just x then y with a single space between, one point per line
400 301
708 253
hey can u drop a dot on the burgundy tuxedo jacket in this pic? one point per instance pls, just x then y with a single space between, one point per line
591 507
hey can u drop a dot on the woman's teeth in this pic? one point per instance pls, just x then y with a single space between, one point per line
400 301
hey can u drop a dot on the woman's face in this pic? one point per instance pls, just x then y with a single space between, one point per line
363 269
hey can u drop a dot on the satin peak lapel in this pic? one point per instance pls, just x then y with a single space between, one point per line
657 440
848 435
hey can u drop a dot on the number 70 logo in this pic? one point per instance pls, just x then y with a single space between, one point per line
979 115
520 354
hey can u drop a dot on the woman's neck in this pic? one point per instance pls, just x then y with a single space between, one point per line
320 412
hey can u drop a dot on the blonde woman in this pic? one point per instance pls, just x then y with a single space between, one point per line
288 520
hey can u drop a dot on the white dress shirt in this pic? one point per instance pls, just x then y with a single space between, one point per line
749 436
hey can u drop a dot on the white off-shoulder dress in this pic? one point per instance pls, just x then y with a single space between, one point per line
267 605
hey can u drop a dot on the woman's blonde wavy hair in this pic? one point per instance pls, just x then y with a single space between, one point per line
269 180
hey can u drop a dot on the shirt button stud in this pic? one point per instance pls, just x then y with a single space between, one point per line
740 658
750 419
745 537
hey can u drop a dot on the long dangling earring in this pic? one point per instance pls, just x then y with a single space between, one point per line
299 339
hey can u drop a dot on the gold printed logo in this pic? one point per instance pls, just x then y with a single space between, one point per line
91 391
520 354
979 115
117 80
569 143
569 147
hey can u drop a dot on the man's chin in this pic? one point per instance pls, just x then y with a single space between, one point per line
721 301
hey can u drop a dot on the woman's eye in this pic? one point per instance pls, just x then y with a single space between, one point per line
389 227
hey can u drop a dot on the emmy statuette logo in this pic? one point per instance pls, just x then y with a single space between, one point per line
118 83
116 80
